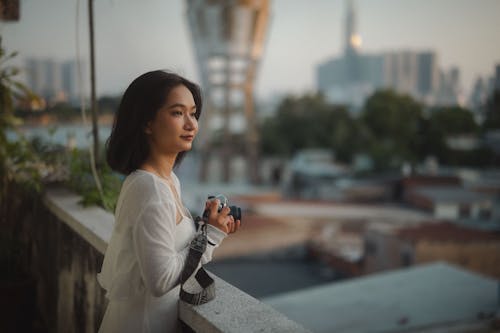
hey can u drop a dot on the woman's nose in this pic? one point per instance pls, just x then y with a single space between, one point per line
191 123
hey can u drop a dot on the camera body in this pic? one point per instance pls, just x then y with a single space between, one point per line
234 211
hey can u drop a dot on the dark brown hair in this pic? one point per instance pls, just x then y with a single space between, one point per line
127 147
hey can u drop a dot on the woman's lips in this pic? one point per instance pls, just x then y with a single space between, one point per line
187 137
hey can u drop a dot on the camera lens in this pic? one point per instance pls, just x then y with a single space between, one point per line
235 211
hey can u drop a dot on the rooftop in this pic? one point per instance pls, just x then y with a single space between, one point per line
445 231
451 194
417 298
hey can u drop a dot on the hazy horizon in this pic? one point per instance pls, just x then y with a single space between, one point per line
134 37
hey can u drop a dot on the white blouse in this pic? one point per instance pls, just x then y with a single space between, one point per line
146 255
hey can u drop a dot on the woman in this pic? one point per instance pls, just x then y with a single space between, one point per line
154 127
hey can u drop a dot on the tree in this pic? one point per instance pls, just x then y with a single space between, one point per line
442 123
309 122
17 165
454 120
446 122
394 124
11 90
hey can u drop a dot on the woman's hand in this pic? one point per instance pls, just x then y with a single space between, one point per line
221 220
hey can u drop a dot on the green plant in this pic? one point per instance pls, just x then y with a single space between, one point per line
19 170
29 164
81 181
17 161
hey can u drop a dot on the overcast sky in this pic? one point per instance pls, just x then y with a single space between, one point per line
136 36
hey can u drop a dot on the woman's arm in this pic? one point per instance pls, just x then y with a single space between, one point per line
154 241
215 236
220 224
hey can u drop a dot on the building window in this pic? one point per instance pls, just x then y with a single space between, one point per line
464 211
370 247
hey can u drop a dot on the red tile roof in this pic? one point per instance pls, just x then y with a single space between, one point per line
445 231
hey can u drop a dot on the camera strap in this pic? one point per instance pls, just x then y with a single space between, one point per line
196 249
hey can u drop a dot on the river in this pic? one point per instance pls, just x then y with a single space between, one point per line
66 134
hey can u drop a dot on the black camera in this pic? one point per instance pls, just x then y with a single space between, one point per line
234 211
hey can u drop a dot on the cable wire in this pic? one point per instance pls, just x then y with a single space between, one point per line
82 105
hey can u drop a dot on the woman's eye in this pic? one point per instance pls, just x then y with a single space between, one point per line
193 114
177 113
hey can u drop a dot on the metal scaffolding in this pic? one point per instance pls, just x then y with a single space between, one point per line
228 38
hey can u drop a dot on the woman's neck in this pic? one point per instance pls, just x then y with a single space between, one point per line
161 165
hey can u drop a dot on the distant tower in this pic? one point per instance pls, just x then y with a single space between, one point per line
352 44
352 38
228 37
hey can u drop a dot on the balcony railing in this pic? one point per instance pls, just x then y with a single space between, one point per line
77 238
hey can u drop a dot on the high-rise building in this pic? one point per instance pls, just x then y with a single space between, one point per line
479 95
449 92
55 81
401 72
352 77
427 74
44 78
74 84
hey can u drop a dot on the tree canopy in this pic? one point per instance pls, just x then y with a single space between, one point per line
309 122
394 125
392 129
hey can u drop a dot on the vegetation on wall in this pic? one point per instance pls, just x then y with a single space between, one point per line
31 164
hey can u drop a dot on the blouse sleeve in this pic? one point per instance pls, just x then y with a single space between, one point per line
154 240
215 236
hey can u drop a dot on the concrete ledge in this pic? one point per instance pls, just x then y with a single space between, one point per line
232 310
93 224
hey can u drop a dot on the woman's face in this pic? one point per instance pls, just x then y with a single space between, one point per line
175 126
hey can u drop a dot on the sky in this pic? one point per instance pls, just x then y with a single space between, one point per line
133 37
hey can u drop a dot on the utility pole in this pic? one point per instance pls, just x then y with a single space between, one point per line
93 101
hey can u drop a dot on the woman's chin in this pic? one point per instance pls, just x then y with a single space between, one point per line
187 147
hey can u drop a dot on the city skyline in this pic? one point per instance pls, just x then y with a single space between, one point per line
132 38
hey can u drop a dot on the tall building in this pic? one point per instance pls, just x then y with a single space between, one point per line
352 39
229 38
55 81
71 83
449 92
479 95
401 72
352 77
44 78
483 90
428 74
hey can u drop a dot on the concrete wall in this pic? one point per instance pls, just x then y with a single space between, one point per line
66 244
481 256
386 251
63 264
383 251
